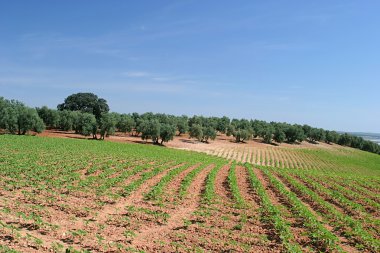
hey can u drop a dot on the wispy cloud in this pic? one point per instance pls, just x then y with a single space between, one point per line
159 78
162 88
42 44
136 74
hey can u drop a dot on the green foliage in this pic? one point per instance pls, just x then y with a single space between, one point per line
85 102
125 123
66 120
150 129
306 130
332 136
352 226
294 133
49 116
107 125
62 165
182 125
209 192
156 192
223 124
16 117
145 176
156 127
258 127
196 131
346 160
85 123
316 134
268 134
188 179
233 185
6 249
242 135
241 130
202 133
208 133
167 132
272 215
279 135
323 238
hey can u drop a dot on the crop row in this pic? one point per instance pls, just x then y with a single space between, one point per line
352 207
274 157
156 192
272 215
321 237
352 228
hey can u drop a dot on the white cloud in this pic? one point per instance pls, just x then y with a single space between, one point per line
136 74
162 88
161 79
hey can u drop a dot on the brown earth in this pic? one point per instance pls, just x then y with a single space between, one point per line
186 143
343 242
82 220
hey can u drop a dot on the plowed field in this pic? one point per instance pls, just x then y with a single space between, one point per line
65 195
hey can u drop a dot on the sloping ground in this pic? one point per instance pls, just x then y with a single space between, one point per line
284 155
58 194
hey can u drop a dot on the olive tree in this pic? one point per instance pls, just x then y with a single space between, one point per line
107 125
66 120
86 123
49 116
167 132
241 135
208 133
316 134
279 135
150 129
16 117
268 134
222 124
196 131
182 125
331 137
294 133
125 123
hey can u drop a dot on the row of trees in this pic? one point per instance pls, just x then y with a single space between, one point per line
15 117
81 122
88 115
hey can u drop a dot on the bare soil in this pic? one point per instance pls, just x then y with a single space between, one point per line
83 220
343 242
186 143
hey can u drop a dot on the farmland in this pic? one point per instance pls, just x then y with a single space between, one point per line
81 195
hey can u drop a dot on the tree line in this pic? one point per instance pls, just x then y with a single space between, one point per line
89 115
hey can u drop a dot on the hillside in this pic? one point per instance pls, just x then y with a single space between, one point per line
83 195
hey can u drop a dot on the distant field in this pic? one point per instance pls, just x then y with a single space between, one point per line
336 159
82 195
369 136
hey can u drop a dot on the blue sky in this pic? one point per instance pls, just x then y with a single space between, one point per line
314 62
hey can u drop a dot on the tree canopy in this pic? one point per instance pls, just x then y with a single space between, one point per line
18 118
85 102
87 114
